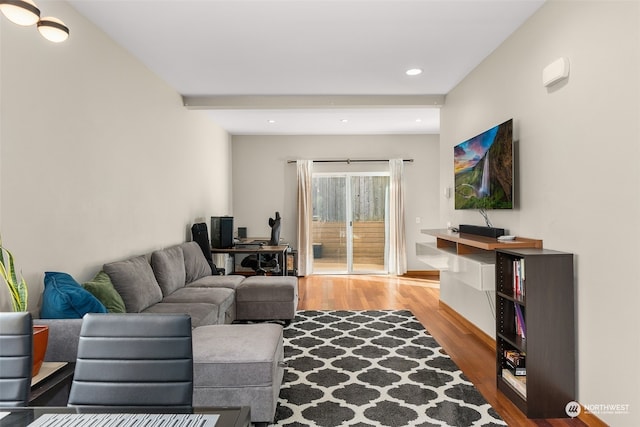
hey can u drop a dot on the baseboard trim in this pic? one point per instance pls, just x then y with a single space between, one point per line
423 274
586 417
590 419
479 333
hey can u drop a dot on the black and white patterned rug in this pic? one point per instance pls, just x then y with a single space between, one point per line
373 368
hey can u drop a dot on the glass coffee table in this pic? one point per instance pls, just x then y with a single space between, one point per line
123 416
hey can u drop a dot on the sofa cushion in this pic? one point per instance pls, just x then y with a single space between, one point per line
239 365
202 314
249 356
64 298
102 288
231 281
267 298
268 288
168 267
223 298
135 282
196 265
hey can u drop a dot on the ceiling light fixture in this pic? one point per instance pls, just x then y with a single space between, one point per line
53 29
344 120
21 12
413 72
271 121
25 13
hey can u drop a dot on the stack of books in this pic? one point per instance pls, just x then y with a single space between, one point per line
515 362
515 371
519 384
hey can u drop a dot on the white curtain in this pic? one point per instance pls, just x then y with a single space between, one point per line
397 241
305 213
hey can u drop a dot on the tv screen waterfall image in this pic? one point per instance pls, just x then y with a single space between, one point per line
483 168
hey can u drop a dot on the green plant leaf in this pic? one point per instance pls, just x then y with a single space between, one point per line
17 288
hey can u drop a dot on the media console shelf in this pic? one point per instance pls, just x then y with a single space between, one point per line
471 243
467 258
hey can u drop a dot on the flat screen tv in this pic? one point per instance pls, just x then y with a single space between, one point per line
483 169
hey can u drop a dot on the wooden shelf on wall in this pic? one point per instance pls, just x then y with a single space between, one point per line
469 243
467 258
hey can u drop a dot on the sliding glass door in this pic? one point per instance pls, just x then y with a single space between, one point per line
350 225
369 225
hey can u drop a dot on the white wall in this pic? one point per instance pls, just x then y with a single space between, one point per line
579 185
99 159
263 182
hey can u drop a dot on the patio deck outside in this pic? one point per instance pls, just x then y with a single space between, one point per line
329 239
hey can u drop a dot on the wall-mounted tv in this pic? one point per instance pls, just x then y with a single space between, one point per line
483 169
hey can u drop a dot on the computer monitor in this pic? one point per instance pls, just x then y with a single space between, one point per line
222 232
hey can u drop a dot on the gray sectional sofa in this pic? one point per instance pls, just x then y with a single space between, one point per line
230 370
177 279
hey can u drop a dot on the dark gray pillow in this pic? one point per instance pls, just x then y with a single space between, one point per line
195 264
135 282
168 267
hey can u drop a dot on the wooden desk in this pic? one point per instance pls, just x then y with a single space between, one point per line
52 385
257 249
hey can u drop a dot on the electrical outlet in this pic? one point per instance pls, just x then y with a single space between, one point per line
417 220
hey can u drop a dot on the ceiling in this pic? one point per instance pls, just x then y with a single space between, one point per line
311 66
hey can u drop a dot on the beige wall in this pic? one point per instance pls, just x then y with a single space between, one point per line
99 160
263 182
579 185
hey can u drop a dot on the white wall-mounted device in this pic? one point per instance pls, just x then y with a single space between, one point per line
556 71
446 192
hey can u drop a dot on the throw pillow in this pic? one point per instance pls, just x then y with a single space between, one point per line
195 264
102 288
64 298
134 280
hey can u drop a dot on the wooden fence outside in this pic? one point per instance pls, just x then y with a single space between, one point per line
368 241
368 198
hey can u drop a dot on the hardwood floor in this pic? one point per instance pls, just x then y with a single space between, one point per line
470 353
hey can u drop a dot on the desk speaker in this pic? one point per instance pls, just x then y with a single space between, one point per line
481 231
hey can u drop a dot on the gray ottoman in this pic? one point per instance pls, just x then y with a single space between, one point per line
267 298
239 365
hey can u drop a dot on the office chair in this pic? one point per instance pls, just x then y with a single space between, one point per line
275 230
260 264
16 358
200 235
134 360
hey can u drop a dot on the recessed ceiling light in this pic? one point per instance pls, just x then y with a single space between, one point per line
414 71
344 120
418 120
271 121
